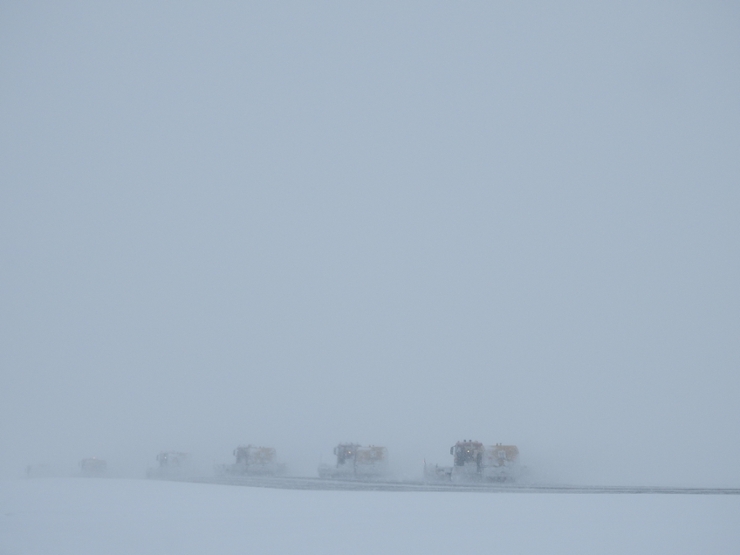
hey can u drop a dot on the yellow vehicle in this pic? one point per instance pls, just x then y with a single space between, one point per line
357 462
253 460
473 461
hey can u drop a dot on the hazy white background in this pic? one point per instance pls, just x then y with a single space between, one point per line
406 223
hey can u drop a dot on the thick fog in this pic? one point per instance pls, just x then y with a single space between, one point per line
403 224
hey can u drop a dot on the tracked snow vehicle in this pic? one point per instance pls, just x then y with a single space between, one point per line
355 462
172 464
254 461
475 462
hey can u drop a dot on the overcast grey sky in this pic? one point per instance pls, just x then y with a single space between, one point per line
402 223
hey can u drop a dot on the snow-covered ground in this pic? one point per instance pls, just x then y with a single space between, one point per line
105 516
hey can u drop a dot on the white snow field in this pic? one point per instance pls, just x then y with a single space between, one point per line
105 516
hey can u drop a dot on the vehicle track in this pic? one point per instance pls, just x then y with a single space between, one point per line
320 484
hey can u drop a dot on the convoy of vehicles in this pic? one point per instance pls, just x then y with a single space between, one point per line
472 462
